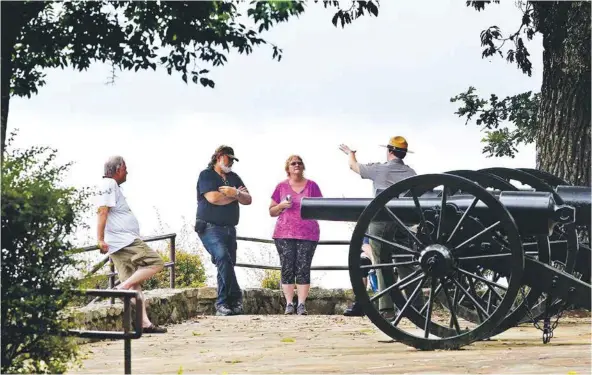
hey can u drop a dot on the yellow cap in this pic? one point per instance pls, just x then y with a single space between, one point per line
399 143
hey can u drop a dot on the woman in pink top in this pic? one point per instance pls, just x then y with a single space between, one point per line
295 239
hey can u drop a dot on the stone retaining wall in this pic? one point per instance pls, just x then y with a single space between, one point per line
168 306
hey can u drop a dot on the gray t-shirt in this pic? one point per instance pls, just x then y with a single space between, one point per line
386 174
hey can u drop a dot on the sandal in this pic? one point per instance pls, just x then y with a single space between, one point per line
154 329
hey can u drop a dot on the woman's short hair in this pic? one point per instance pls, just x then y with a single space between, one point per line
287 166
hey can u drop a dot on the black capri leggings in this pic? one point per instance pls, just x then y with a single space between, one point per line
295 259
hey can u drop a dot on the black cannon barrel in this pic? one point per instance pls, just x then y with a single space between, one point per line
534 212
579 197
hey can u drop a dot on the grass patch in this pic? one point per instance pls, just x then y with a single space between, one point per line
288 339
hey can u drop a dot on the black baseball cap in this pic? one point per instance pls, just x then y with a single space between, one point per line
226 150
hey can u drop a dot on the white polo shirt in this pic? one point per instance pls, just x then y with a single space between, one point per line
122 227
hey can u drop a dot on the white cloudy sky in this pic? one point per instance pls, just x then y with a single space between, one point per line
379 77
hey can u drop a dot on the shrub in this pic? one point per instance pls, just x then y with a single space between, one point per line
96 281
190 272
38 216
271 279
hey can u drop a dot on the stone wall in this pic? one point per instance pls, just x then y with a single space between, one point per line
168 306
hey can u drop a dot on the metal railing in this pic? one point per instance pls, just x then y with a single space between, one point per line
112 272
313 268
127 335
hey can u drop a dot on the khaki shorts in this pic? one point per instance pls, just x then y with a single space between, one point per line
134 256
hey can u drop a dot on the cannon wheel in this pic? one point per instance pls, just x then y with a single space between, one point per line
485 180
547 177
489 180
440 264
566 231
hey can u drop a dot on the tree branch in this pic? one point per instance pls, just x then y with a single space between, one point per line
520 110
494 41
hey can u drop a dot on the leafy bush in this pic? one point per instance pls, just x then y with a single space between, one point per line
96 281
38 216
271 279
190 272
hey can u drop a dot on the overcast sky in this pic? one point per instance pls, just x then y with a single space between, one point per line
379 77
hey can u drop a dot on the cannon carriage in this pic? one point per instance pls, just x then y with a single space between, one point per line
483 253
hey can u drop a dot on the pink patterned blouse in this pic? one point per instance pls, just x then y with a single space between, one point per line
289 223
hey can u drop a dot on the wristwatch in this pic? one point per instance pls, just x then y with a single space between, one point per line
237 193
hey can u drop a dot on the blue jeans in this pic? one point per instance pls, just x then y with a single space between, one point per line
220 242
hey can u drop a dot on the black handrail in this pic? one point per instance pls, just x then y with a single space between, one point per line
127 335
253 239
170 265
313 268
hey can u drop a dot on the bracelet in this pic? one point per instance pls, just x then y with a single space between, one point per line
237 193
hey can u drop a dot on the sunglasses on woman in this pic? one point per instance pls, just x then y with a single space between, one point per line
295 163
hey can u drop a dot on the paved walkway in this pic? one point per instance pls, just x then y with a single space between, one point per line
334 344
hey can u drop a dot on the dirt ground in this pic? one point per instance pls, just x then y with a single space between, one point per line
335 344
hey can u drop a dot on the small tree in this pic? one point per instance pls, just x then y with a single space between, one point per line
189 271
38 216
272 279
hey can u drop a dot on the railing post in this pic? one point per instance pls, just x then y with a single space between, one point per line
172 267
127 341
111 278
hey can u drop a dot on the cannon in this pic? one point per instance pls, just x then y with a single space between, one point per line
482 249
563 249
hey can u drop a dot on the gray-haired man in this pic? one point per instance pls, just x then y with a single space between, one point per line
384 175
118 234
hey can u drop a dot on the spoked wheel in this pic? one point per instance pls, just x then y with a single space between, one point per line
454 255
563 243
485 180
540 250
546 177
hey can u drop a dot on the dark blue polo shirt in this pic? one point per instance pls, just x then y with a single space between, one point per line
208 181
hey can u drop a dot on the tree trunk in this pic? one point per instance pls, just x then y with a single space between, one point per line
563 137
14 16
8 39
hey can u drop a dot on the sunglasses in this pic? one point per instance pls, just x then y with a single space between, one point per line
294 163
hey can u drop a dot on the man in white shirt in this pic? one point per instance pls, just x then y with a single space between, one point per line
118 234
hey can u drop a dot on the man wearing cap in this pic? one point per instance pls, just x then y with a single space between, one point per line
384 175
219 192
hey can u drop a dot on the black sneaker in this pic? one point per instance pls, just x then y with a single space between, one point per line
355 310
289 309
388 314
301 310
154 329
223 310
237 309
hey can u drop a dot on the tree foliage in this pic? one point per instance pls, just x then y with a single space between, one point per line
557 118
188 38
521 110
178 36
38 217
